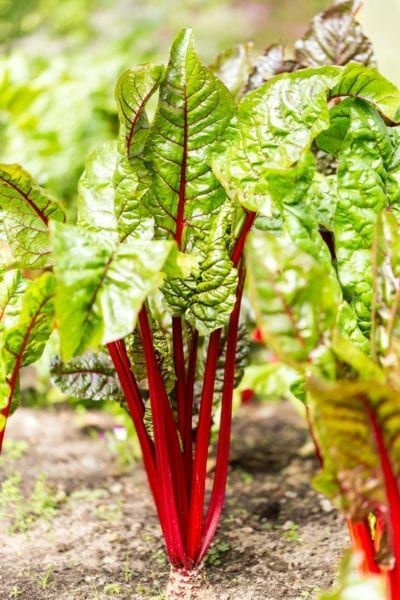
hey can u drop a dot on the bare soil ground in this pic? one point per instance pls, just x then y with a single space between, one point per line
90 532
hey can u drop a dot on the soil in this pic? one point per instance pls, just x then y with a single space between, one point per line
279 539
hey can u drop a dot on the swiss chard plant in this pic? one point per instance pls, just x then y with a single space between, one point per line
143 293
323 276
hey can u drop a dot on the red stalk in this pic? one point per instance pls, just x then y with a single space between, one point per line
179 363
168 463
224 438
202 442
187 426
393 503
240 242
134 401
5 412
361 541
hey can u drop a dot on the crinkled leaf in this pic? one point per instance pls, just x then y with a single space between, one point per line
133 90
101 284
194 111
131 181
233 68
364 162
331 140
321 198
294 298
26 209
23 343
276 126
335 38
367 83
91 376
346 415
206 298
348 327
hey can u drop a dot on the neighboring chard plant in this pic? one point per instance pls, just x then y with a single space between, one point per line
144 291
323 271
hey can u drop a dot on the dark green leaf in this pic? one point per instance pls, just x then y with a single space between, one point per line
88 377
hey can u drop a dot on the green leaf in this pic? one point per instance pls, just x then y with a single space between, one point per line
194 111
131 181
385 335
331 140
12 288
335 38
23 343
276 126
346 415
207 297
368 84
347 325
294 298
96 190
133 90
101 285
364 162
91 376
26 211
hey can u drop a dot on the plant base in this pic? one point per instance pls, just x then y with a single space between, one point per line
189 585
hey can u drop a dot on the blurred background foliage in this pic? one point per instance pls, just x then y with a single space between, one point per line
60 60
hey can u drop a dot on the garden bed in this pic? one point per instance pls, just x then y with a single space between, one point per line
91 532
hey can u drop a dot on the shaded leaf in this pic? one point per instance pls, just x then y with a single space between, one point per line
335 37
206 298
269 64
91 376
294 298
